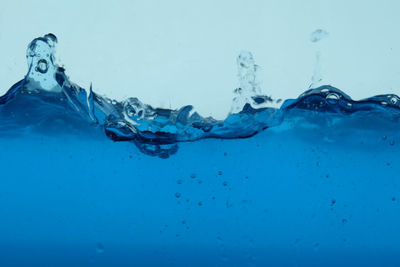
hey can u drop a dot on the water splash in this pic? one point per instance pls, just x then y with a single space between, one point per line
46 99
249 90
315 37
316 79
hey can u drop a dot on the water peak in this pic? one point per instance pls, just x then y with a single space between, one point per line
41 63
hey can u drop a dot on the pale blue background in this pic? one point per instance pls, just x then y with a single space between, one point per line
172 53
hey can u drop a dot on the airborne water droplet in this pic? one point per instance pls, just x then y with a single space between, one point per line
318 35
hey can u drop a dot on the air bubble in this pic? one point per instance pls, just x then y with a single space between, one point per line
332 98
42 66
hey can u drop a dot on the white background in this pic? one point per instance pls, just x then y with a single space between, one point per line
172 53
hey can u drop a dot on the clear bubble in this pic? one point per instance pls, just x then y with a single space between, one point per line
332 98
42 66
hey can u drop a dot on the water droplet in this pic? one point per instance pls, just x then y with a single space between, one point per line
393 199
193 175
200 203
225 183
318 35
393 100
220 173
177 195
179 181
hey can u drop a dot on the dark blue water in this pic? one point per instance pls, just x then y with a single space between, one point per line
90 181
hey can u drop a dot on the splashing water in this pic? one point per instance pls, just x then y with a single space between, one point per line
46 98
249 91
316 184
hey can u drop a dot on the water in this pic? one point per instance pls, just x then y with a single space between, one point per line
88 180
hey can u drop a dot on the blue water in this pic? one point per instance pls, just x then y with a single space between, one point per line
90 181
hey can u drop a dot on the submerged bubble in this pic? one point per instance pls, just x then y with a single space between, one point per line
332 98
394 100
99 248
